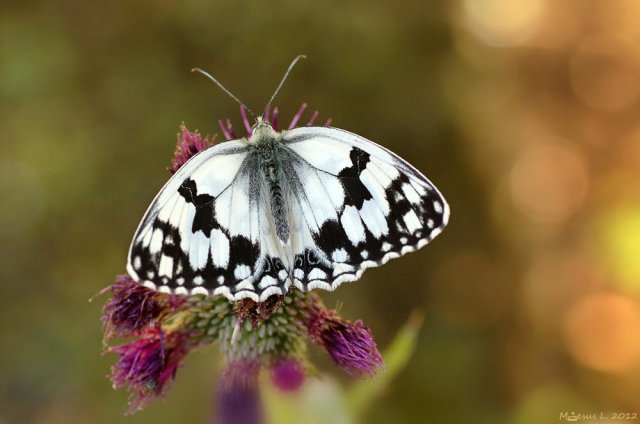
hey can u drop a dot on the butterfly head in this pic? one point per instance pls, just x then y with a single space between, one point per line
262 132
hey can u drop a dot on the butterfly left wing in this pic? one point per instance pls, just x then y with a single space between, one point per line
355 205
206 232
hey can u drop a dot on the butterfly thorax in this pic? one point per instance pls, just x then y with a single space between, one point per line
266 141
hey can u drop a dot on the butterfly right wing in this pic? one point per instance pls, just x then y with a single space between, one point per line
357 205
207 231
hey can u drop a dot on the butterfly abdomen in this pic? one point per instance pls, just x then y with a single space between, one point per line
270 167
279 211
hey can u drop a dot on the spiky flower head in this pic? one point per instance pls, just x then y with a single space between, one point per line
349 344
133 307
161 329
148 365
189 143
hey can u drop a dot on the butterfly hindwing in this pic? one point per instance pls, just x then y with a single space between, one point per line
360 204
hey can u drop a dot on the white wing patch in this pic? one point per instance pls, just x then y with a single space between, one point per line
219 249
374 218
352 224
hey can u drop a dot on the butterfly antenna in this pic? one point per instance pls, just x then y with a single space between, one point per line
229 93
284 78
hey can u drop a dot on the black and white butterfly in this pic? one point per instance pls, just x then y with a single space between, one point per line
311 207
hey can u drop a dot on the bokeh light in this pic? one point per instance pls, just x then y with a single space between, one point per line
619 243
554 281
546 401
470 309
601 332
549 182
504 22
605 72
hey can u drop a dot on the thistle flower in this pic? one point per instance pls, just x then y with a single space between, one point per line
189 143
238 396
287 374
161 329
349 344
133 307
148 365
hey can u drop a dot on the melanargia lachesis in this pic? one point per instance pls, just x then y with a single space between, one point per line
311 207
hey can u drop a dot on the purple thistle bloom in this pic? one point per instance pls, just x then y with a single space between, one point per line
133 307
189 143
349 344
238 397
163 328
287 374
148 366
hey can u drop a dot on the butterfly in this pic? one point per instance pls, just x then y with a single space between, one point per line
311 207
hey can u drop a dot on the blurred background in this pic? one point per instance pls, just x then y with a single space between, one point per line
523 112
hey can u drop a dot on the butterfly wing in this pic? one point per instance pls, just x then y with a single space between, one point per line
206 231
355 205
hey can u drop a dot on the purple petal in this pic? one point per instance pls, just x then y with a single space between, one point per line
226 134
238 397
245 121
274 118
189 143
131 308
313 118
230 130
297 116
352 347
287 374
349 344
148 366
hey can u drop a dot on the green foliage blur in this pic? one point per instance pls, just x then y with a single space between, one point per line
523 112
